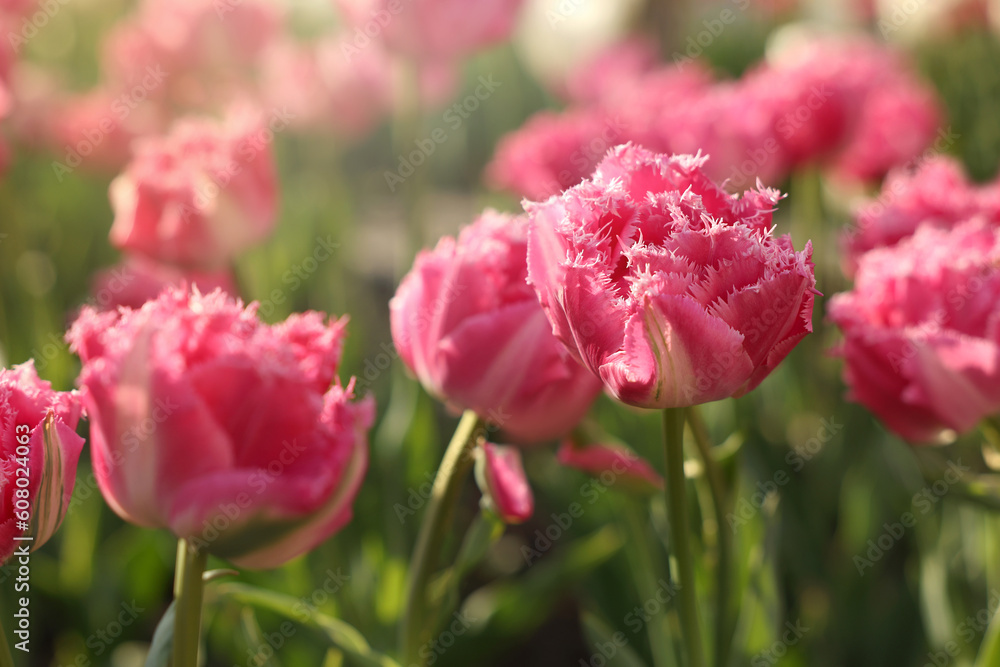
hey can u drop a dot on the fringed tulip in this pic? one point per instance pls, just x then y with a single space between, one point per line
39 450
921 346
936 193
220 428
671 290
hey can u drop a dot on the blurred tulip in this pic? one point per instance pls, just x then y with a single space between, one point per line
200 195
613 464
138 279
430 29
467 324
920 331
220 428
672 291
39 451
937 192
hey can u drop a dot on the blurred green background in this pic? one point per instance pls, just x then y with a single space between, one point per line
100 586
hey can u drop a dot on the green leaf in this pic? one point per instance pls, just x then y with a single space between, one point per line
163 639
340 634
989 651
610 644
484 532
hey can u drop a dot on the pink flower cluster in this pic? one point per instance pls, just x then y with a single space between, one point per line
647 278
851 106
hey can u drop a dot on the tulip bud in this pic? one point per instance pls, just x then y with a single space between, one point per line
500 476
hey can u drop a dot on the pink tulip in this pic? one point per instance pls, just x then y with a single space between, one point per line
220 428
672 291
138 279
920 330
611 464
326 90
92 130
200 195
596 80
852 103
194 55
553 151
430 29
501 478
937 192
467 324
39 450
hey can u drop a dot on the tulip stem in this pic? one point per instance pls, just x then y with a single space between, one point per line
673 441
454 469
724 623
6 659
188 593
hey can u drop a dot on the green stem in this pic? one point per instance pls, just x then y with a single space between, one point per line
6 659
455 467
673 441
725 622
189 590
